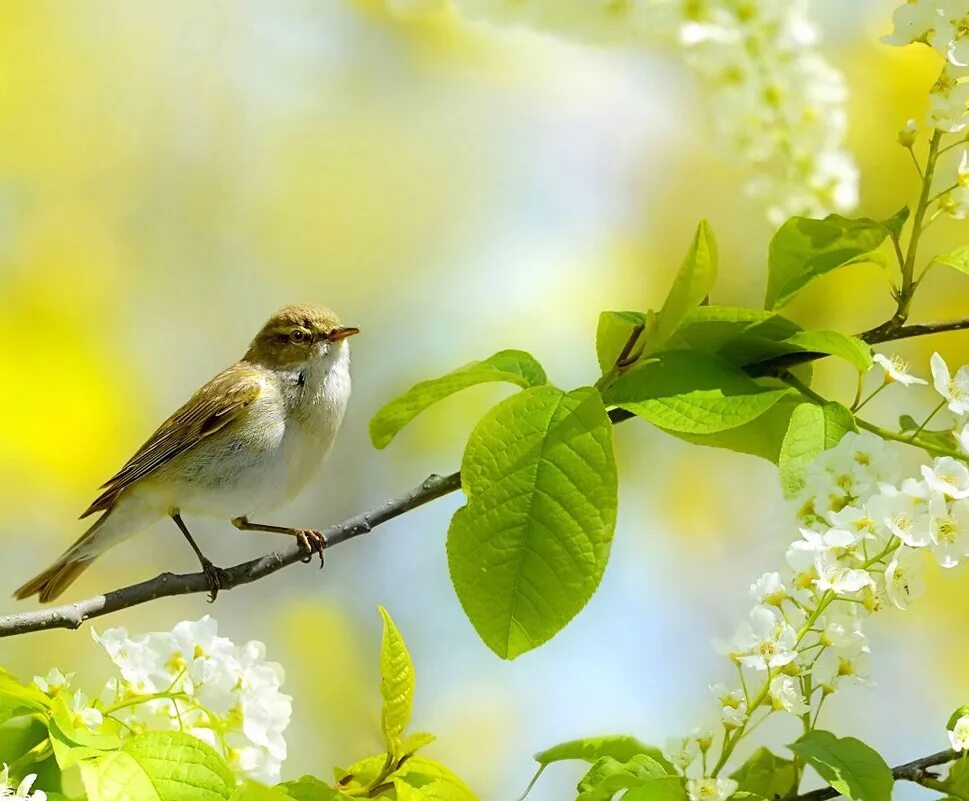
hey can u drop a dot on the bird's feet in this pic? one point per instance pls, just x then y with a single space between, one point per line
311 541
217 578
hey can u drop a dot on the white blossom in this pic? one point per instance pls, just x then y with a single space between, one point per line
53 682
953 388
904 578
767 641
896 370
837 577
786 695
710 789
904 511
211 675
768 589
733 705
681 751
949 530
22 791
947 477
959 734
84 714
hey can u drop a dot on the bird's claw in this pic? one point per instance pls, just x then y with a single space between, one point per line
216 577
311 541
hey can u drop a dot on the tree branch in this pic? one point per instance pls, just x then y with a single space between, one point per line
71 616
914 771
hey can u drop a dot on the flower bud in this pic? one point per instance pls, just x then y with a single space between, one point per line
908 134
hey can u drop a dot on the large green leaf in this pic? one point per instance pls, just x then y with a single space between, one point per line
958 259
766 775
847 764
512 366
608 776
621 747
159 766
396 683
750 350
691 285
812 429
804 249
715 329
691 392
529 548
309 788
614 330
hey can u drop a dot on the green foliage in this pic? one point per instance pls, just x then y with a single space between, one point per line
608 776
957 259
309 788
957 782
396 684
529 548
724 330
944 439
621 747
804 249
159 766
612 334
766 775
831 343
847 764
813 428
19 699
690 287
692 392
512 366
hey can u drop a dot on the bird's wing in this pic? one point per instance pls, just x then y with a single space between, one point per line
221 401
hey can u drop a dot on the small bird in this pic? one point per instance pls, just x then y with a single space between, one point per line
248 441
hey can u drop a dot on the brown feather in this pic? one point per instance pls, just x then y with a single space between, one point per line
213 407
53 581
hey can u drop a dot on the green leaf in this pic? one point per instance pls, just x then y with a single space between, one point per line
512 366
159 766
691 392
414 742
812 429
621 747
615 328
425 774
766 775
18 699
760 437
608 776
803 250
309 788
940 438
957 782
896 222
833 343
848 765
958 259
691 285
396 683
722 329
528 550
253 791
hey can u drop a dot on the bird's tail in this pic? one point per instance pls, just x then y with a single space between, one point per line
60 575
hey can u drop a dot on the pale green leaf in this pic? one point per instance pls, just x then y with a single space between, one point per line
612 334
396 683
847 764
253 791
804 249
691 285
529 548
833 343
766 775
159 766
957 782
621 747
607 776
309 788
958 259
722 329
414 742
19 699
511 366
425 773
812 429
691 392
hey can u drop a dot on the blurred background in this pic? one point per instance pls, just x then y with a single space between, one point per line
172 173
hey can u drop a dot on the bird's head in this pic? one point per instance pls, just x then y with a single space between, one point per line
297 334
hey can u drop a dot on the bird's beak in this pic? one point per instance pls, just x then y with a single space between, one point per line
342 333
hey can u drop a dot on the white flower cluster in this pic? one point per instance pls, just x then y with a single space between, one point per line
22 791
194 680
944 26
778 103
864 529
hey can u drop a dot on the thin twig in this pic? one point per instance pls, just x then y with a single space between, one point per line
71 616
914 771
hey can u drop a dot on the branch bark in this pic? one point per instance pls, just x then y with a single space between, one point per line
914 771
72 616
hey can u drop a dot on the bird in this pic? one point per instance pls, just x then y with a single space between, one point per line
246 442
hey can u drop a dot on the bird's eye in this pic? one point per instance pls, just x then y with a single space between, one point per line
298 335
